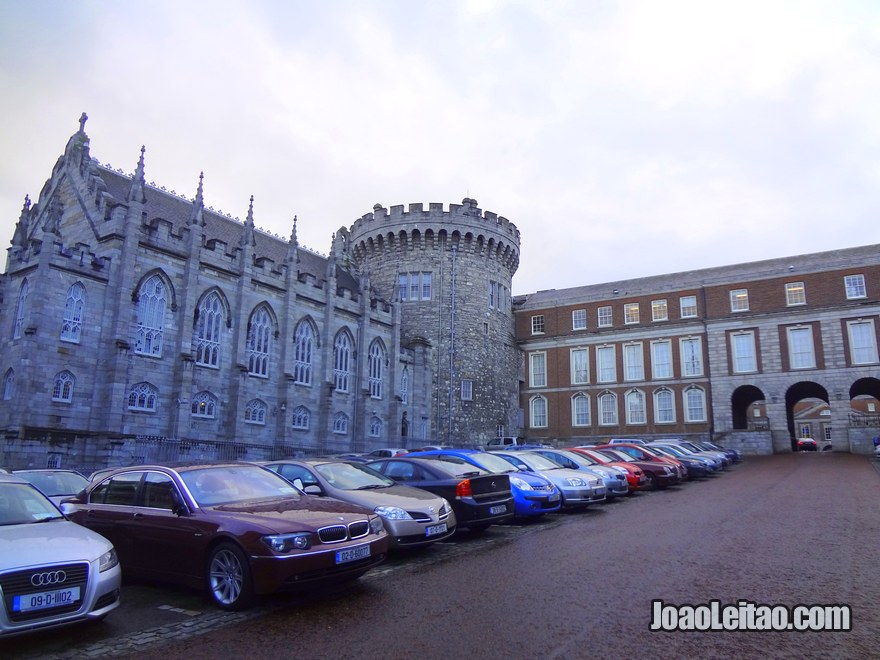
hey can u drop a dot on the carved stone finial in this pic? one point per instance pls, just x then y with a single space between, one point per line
27 205
293 233
82 122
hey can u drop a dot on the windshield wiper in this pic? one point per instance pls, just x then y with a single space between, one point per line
371 486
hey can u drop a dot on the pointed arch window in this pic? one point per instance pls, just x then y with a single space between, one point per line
377 367
143 397
404 385
301 418
9 385
206 336
255 412
376 427
340 423
342 362
259 339
62 389
204 405
303 349
152 302
71 324
20 309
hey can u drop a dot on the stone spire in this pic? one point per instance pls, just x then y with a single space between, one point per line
293 245
138 183
19 238
196 217
247 237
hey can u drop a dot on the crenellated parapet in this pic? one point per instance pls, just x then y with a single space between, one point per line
465 227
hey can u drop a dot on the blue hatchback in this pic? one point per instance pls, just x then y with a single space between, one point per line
533 495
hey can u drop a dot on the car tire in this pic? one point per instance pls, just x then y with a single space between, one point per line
652 481
229 578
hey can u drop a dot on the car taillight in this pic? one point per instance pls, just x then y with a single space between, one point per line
463 489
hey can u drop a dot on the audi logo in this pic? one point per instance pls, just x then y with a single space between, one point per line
50 577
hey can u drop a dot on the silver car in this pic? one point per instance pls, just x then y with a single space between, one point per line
413 517
56 484
53 572
578 488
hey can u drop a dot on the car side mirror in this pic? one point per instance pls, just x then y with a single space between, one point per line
178 508
312 489
67 508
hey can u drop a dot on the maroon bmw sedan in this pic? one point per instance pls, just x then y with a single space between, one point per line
236 529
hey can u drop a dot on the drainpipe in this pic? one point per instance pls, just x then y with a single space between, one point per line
451 348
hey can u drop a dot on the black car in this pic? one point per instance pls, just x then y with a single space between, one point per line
478 498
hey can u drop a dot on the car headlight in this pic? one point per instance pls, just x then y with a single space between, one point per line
108 560
392 512
522 484
288 542
576 481
377 526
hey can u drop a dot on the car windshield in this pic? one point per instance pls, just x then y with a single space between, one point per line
351 476
580 459
668 449
619 455
230 484
599 457
537 462
650 450
22 503
494 463
55 483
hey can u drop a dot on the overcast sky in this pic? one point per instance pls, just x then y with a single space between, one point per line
623 139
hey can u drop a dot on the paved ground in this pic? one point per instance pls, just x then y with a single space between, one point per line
788 529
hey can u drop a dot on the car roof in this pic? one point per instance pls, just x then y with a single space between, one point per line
5 477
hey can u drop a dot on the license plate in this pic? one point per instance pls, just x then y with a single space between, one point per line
352 554
45 599
435 529
501 508
554 497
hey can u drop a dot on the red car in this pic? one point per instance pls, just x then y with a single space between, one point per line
635 475
237 530
660 471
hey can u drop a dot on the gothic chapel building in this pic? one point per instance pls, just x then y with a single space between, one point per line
139 325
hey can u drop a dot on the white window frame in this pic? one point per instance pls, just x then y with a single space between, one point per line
862 341
633 362
578 319
255 412
342 362
303 352
579 359
538 412
738 360
606 369
302 418
206 334
340 423
687 306
855 286
63 387
466 389
659 310
605 316
664 406
801 351
795 294
739 300
661 359
636 410
691 354
143 397
538 369
376 368
538 325
580 410
691 396
376 427
608 414
631 313
204 406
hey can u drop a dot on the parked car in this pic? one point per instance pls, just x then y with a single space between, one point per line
578 489
413 517
479 498
635 475
735 455
697 466
533 495
53 572
807 444
613 478
660 471
502 443
386 452
55 484
238 530
693 448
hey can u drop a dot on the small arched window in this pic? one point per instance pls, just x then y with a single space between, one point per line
301 418
340 423
62 389
71 324
204 405
255 412
143 397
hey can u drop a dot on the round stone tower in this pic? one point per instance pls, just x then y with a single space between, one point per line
451 273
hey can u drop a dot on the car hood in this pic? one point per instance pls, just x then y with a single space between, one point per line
283 512
49 542
405 497
559 476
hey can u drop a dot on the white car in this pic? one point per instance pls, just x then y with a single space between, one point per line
877 451
53 572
